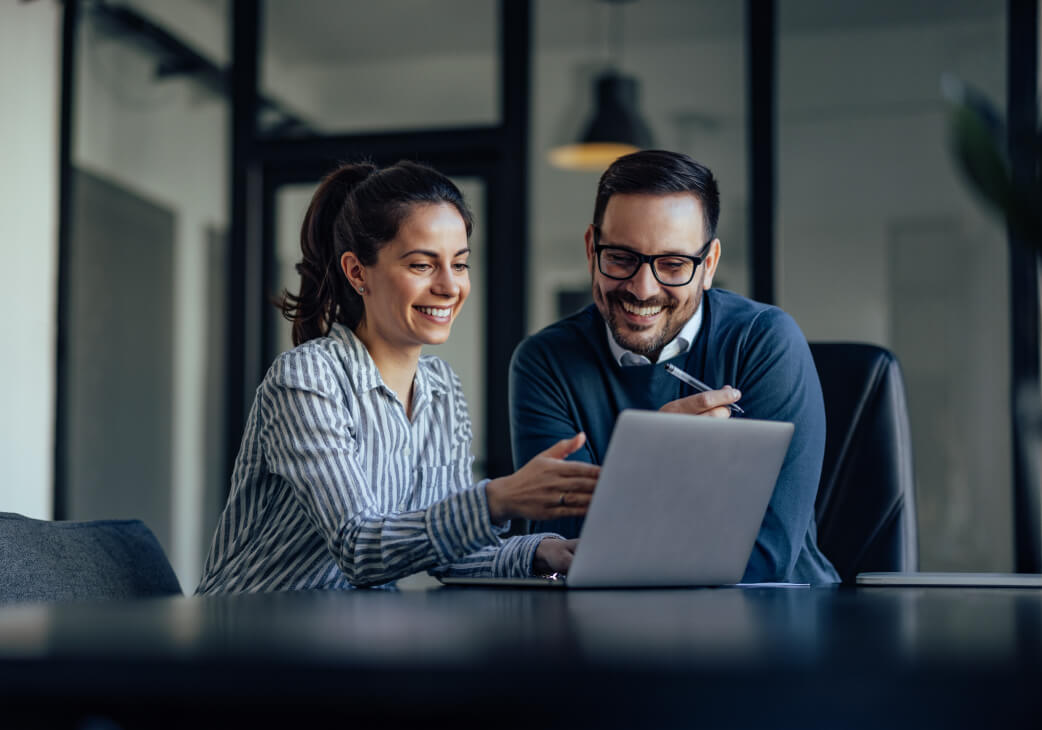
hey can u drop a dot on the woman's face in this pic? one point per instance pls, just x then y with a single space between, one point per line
420 280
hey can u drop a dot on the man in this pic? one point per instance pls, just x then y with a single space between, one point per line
652 252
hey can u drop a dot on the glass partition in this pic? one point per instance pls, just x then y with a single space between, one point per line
880 240
343 66
143 372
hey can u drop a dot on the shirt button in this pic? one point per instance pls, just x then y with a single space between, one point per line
406 451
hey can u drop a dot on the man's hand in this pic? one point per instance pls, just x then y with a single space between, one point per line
553 556
545 488
710 403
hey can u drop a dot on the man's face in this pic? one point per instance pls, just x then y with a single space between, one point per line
644 315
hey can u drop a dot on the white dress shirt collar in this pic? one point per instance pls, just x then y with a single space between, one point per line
681 343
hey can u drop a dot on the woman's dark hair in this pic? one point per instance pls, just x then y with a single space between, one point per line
357 207
659 172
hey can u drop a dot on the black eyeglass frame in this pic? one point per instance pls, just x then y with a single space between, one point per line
648 259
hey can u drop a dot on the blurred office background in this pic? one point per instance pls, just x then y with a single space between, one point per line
132 348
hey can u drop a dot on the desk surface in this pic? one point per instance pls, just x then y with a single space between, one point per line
794 657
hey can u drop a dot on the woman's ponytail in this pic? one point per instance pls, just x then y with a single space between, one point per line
324 291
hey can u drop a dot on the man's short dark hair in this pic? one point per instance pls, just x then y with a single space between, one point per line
659 172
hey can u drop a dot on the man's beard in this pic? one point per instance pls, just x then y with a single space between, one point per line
611 302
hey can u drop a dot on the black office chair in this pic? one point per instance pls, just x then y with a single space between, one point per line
60 561
866 498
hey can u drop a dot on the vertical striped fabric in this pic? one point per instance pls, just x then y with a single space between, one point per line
335 488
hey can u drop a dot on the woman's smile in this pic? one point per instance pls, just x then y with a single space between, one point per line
441 315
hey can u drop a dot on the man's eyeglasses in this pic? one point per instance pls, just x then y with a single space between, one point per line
670 269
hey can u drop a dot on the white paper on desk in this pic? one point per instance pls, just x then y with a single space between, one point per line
772 585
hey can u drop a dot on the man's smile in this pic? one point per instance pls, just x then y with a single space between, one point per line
636 313
642 311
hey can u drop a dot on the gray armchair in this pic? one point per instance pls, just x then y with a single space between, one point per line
59 561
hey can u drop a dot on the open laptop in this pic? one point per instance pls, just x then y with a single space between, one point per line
679 502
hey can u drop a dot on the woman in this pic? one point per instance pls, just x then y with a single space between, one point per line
354 469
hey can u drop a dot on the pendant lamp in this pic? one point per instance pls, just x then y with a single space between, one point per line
615 128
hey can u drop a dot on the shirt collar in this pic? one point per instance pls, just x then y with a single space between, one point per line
681 343
432 375
366 376
359 363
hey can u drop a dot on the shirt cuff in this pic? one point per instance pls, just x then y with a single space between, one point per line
514 558
500 530
459 524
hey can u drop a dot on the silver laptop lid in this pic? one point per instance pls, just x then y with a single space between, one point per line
679 501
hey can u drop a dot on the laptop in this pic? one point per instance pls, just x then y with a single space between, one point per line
679 502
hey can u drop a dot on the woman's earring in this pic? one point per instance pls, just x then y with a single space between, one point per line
361 290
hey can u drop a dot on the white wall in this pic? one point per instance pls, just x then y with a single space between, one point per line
30 72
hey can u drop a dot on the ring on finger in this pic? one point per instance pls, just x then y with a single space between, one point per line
561 500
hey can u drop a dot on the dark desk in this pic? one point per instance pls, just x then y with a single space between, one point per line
879 657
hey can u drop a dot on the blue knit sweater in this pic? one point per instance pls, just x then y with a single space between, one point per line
564 379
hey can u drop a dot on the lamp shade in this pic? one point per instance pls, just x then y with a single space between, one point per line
615 129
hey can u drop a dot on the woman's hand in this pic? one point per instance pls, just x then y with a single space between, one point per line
553 556
545 488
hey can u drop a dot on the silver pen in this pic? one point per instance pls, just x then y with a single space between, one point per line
698 385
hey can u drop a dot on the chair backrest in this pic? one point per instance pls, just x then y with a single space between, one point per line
58 561
866 498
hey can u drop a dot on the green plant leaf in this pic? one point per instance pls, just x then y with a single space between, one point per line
979 148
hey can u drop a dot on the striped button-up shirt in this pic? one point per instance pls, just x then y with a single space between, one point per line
334 486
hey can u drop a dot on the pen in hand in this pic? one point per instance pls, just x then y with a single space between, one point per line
698 385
